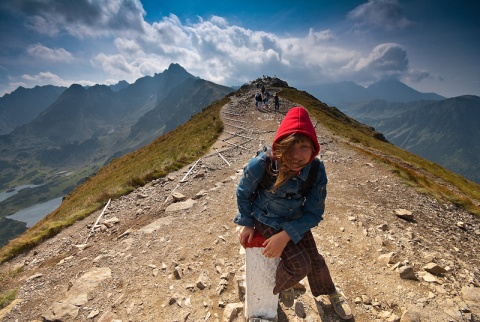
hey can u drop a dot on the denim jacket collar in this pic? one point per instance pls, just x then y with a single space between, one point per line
304 172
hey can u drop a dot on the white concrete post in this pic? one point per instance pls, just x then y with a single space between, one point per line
260 280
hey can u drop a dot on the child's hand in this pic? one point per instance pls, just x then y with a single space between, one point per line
246 235
275 245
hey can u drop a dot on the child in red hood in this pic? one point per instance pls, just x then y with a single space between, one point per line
285 214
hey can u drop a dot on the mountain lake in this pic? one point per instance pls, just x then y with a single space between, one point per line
13 191
33 214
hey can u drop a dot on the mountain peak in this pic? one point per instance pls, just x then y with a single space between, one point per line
393 90
177 69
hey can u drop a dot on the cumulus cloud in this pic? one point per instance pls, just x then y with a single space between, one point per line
385 60
57 54
113 64
385 14
209 48
416 76
42 26
215 50
48 78
81 18
43 77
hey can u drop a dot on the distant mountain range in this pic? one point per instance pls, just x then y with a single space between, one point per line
442 130
392 90
24 105
56 137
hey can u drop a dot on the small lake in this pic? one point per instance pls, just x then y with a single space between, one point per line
4 195
35 213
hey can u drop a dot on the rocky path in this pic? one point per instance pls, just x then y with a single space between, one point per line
169 251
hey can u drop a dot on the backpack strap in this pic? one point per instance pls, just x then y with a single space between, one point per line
268 180
312 176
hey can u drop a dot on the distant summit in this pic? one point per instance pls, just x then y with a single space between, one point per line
80 129
176 68
120 85
443 131
25 104
392 90
395 91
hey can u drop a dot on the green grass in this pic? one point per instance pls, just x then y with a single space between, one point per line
8 291
427 177
168 153
7 297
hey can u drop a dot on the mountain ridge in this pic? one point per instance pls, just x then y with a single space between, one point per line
442 131
87 127
340 93
23 105
169 249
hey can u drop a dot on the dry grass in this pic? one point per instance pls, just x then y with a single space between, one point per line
168 153
427 177
8 289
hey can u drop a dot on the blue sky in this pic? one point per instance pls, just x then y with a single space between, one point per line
431 45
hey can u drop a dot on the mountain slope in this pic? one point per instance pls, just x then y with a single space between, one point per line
395 91
339 94
443 131
159 259
23 105
191 96
86 128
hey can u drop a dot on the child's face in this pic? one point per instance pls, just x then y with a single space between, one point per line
301 155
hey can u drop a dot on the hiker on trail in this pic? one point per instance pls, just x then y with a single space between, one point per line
265 100
263 90
258 101
285 214
277 102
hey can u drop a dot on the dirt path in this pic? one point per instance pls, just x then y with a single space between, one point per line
158 260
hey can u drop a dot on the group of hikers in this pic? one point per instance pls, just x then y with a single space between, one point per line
262 98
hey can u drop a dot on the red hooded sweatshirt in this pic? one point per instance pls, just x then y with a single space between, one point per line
297 120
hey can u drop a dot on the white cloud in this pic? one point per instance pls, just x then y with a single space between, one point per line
385 60
168 32
385 14
209 48
217 51
128 47
416 76
320 36
57 54
113 64
42 26
82 18
43 78
48 78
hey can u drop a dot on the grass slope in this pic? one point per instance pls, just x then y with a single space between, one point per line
168 153
193 139
426 176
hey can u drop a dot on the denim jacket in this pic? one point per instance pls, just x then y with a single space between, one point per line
285 208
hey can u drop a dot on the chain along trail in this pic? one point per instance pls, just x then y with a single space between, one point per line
169 251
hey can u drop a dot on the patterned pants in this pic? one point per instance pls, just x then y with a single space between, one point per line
300 260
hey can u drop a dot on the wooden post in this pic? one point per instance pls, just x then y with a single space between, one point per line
259 282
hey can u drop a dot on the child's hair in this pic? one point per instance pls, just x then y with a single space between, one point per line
283 155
